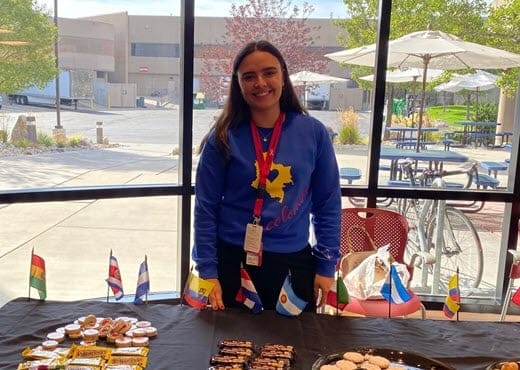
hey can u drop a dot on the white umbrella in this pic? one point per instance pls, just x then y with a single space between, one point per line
407 75
305 78
480 80
430 49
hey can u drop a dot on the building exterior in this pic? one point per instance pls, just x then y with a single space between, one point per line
140 55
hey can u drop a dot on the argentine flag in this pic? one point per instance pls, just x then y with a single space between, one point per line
393 289
288 303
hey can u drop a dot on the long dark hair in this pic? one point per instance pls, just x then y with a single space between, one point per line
236 111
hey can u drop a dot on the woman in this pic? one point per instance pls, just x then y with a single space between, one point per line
266 166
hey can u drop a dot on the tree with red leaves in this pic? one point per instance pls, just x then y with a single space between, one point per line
278 22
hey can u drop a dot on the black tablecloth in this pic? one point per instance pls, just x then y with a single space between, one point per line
187 338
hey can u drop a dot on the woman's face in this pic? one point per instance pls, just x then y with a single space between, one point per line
260 77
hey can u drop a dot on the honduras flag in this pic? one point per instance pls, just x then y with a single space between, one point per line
247 293
288 303
393 289
143 284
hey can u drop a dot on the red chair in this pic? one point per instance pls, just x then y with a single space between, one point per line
358 226
514 274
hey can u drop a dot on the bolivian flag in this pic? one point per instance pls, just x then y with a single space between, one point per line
37 275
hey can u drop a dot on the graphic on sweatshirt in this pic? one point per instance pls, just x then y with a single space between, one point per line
279 177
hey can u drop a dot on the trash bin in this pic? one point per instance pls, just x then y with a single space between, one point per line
140 102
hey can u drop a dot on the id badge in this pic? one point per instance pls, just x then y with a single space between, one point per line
253 238
253 259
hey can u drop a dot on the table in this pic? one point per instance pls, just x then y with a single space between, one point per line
187 338
478 133
405 136
435 158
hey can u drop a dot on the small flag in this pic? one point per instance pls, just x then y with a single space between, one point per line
516 297
288 303
37 275
514 273
247 293
338 294
143 284
197 292
393 289
452 302
114 278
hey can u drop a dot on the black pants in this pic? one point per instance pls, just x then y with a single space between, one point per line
268 278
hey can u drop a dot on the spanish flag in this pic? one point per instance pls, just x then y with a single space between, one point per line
452 302
37 275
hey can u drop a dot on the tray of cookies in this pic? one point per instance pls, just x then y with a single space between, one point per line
511 364
377 359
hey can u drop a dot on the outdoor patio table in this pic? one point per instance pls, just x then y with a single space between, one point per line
187 338
407 136
435 158
478 133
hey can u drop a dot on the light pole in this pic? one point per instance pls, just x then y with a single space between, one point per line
56 55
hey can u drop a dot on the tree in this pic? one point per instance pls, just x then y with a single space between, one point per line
461 18
503 26
32 61
274 20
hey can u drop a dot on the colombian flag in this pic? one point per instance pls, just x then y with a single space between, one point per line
37 275
452 302
197 291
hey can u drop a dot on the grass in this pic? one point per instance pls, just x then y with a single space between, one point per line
449 114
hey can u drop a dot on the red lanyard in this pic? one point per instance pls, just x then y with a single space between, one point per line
264 163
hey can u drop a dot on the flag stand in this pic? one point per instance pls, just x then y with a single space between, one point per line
186 284
390 300
146 294
30 266
458 290
108 286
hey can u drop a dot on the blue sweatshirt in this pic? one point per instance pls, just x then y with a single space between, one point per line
304 181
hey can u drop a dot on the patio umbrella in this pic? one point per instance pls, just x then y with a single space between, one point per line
305 78
430 49
406 75
478 81
402 76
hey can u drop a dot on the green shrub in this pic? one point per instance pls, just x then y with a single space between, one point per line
25 143
349 127
45 140
487 112
4 136
75 141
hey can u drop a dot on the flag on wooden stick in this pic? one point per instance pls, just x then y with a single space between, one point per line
338 294
114 280
37 276
143 284
452 302
247 293
196 292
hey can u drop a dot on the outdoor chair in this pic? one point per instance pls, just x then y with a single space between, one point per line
383 227
514 274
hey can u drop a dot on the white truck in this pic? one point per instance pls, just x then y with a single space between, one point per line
75 85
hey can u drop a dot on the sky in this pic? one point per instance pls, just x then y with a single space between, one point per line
203 8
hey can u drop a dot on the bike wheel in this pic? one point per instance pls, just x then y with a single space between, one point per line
462 249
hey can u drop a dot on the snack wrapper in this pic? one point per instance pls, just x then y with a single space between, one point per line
50 364
39 354
128 360
90 352
131 351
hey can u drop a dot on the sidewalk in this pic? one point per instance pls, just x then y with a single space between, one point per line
75 238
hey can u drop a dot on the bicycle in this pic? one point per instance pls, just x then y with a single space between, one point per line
457 247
